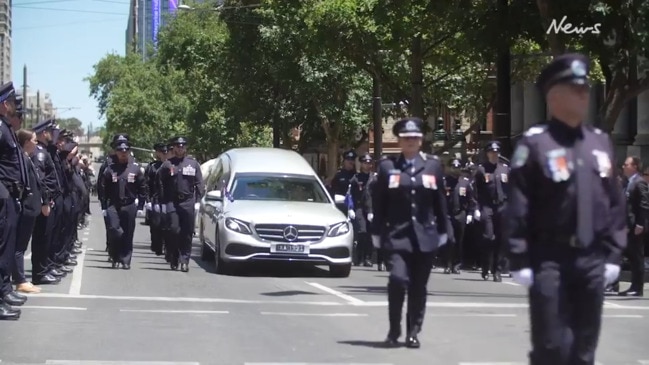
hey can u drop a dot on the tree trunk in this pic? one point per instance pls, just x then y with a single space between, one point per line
611 108
557 47
417 78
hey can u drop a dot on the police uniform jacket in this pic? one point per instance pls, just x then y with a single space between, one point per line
124 182
366 200
150 174
340 181
33 203
637 197
12 170
409 204
358 184
543 201
181 180
461 197
46 170
492 185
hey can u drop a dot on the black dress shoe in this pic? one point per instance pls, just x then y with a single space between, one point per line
115 264
65 269
184 267
72 257
70 262
126 266
11 299
412 342
57 273
497 277
456 271
47 279
7 313
485 275
19 296
381 267
173 266
631 293
447 271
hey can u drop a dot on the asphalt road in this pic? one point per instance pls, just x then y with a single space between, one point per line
151 315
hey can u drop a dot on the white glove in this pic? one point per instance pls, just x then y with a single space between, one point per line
156 208
103 212
611 273
140 213
370 216
524 277
469 219
476 214
376 241
351 214
147 206
443 238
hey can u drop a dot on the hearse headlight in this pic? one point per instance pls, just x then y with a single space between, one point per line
238 226
339 229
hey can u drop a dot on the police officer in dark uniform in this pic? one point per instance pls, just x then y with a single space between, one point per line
410 222
67 152
14 188
340 181
358 213
153 192
461 206
117 139
123 182
566 223
182 184
492 180
367 206
43 237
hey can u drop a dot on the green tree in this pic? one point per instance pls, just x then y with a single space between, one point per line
72 124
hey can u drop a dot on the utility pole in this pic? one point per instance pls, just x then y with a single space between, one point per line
38 107
502 127
377 111
25 98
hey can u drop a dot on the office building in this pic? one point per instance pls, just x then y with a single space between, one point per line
5 41
151 16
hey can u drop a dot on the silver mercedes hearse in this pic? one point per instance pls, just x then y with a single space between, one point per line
267 204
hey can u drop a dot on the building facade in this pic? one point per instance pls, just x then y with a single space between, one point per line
5 41
146 18
39 107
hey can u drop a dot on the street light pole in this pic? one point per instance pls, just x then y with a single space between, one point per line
502 126
377 122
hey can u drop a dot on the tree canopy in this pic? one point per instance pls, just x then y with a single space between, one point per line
232 76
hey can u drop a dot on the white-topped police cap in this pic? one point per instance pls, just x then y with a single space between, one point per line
43 126
366 157
122 146
493 146
455 163
571 68
409 127
7 91
120 137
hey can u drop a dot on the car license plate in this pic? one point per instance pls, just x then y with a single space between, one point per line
289 248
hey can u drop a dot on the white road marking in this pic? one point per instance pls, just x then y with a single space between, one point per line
180 300
85 239
314 363
611 304
28 256
474 315
622 316
52 307
511 283
86 232
77 275
172 311
643 362
457 305
492 363
343 296
315 314
84 362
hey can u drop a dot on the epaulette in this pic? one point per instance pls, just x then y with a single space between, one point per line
538 129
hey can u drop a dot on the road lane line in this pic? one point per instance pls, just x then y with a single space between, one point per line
491 363
179 300
622 316
77 274
52 307
643 362
28 256
511 283
611 304
91 362
474 315
315 314
314 363
86 232
172 311
343 296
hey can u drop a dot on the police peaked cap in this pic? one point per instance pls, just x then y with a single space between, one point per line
408 127
7 91
19 100
455 163
571 68
178 140
43 126
68 147
366 157
122 146
118 138
492 146
160 147
349 155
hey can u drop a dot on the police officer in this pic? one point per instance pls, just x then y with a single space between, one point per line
367 207
14 185
153 191
182 183
43 237
566 219
68 223
491 180
117 139
340 181
123 182
410 222
461 206
358 213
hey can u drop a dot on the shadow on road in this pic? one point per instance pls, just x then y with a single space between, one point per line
348 289
371 344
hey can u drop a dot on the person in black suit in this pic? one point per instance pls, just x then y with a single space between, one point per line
410 223
637 198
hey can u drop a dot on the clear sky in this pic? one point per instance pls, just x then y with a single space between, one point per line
60 41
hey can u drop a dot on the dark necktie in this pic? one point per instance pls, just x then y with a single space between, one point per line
584 194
